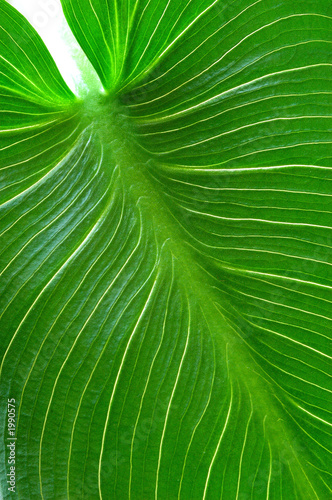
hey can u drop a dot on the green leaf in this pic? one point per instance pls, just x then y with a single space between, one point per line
165 253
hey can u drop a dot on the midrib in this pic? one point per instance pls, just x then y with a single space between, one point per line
119 142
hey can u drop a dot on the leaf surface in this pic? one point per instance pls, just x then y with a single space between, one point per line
165 253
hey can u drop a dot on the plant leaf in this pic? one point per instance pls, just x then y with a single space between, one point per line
165 253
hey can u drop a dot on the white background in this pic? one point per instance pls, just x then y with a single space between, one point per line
47 17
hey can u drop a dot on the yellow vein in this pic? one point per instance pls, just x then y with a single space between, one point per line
64 265
218 445
202 415
117 381
148 378
171 400
315 416
242 451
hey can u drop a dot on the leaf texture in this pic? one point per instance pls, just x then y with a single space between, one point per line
165 253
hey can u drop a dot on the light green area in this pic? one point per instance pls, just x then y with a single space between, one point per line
165 253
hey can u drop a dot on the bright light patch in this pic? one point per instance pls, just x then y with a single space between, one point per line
47 17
